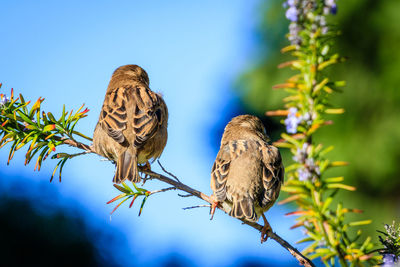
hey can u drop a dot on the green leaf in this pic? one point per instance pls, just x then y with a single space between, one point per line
341 186
319 86
63 117
54 171
360 223
334 110
290 139
44 117
62 166
116 198
326 150
366 243
116 207
284 145
51 117
141 206
31 127
24 117
82 135
295 189
334 179
122 189
340 83
326 204
307 239
325 50
49 128
127 187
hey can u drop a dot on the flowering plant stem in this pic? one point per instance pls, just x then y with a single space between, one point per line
308 101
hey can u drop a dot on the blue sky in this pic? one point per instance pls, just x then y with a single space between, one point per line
192 51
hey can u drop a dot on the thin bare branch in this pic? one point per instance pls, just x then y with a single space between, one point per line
176 184
226 208
76 144
162 190
198 206
187 195
167 172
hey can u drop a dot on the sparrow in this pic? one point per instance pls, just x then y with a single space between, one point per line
132 127
248 172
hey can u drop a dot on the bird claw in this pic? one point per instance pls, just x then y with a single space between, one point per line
142 169
264 231
147 166
214 205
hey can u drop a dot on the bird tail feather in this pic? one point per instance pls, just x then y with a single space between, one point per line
243 209
127 168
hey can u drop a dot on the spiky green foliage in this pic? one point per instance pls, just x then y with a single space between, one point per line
37 130
308 102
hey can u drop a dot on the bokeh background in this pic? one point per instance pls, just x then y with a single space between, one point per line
211 60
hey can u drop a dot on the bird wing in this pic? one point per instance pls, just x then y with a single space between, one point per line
273 174
147 114
113 116
146 117
220 169
235 176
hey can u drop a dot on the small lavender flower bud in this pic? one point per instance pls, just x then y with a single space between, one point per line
334 9
389 260
330 2
292 121
4 99
292 13
304 175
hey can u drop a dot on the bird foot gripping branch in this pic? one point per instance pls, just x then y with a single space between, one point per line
266 228
214 205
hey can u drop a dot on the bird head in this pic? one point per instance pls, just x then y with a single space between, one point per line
245 125
131 72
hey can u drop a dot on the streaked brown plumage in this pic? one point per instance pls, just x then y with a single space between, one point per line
132 127
247 172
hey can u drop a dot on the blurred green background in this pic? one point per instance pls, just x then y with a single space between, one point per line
368 133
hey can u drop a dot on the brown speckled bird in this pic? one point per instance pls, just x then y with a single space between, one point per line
132 127
247 172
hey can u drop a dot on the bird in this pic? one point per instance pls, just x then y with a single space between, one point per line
248 172
132 126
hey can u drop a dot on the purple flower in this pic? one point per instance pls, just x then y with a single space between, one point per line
294 30
292 13
390 260
307 118
312 166
4 100
334 9
301 153
292 121
304 175
330 2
